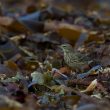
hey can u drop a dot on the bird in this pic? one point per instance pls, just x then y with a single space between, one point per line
74 60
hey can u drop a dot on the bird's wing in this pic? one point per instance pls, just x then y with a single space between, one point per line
82 57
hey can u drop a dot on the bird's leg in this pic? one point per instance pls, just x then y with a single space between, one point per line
77 70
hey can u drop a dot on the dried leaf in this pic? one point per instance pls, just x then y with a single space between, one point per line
91 87
5 21
88 107
63 70
74 99
5 70
17 26
31 64
17 38
69 32
37 77
94 36
47 78
12 65
6 102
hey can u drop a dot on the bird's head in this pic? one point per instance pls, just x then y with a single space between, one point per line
66 47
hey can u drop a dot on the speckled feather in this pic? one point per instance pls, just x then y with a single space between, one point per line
74 60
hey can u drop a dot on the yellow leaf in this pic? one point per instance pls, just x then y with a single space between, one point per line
91 87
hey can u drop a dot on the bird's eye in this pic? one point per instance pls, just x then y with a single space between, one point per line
64 45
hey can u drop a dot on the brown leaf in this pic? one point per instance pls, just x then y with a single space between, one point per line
74 99
12 65
63 70
70 32
17 26
5 21
94 36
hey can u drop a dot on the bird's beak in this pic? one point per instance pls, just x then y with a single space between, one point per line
60 51
59 48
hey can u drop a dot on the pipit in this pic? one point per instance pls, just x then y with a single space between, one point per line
75 60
